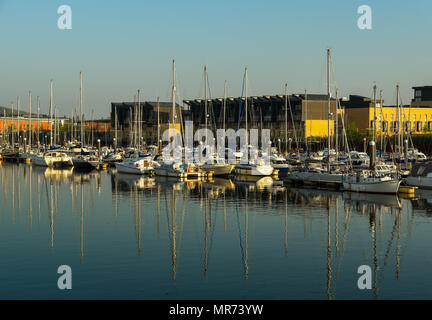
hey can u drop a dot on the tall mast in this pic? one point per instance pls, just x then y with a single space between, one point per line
73 124
18 111
375 117
139 119
92 132
158 124
306 118
328 107
4 125
205 99
402 125
115 128
38 122
246 106
51 110
173 94
336 125
55 125
30 126
224 104
286 117
398 117
12 126
81 112
134 126
382 122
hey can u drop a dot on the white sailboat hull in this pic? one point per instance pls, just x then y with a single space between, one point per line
52 162
316 177
219 169
39 161
421 182
133 167
166 170
253 170
386 186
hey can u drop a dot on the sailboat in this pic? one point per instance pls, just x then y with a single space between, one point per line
220 167
370 180
53 159
136 162
314 174
279 162
175 169
85 161
253 167
137 166
82 160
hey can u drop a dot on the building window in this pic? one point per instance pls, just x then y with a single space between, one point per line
385 125
395 126
430 125
419 126
418 93
408 126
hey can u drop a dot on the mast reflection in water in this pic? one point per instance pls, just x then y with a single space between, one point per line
136 237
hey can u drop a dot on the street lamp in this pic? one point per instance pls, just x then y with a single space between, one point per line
99 148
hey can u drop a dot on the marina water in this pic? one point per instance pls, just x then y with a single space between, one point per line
133 237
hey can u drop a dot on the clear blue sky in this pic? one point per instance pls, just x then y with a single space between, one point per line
124 45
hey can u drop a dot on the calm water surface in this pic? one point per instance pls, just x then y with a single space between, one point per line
129 237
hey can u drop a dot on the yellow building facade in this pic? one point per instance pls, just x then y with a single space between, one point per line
414 119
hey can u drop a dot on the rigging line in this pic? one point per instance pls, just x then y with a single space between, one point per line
241 103
211 103
408 237
182 223
292 120
213 226
346 230
333 73
344 133
239 230
390 242
168 221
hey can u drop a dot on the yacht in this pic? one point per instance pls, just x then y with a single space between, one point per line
281 165
372 182
113 157
135 166
171 170
254 169
53 159
85 161
218 168
421 176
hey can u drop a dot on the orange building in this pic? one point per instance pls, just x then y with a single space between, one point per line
6 124
99 126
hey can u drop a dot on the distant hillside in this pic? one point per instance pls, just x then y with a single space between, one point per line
22 113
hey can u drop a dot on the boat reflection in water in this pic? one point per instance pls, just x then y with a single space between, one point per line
224 238
128 182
